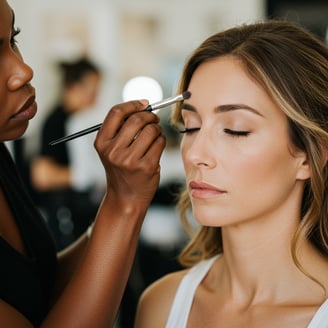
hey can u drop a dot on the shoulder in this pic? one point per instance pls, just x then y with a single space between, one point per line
155 302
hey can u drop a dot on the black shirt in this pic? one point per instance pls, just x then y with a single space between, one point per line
54 128
26 282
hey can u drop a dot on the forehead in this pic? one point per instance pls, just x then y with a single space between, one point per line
6 17
222 74
224 81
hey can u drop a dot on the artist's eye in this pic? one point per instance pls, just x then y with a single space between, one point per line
235 133
189 130
13 40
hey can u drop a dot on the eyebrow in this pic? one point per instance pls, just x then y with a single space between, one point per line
223 108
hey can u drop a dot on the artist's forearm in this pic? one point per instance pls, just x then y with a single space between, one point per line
103 272
69 260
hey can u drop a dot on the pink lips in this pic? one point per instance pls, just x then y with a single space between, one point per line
27 111
204 190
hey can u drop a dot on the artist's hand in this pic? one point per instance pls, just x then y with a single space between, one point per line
130 144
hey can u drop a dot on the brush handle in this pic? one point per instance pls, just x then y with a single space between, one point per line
76 135
149 108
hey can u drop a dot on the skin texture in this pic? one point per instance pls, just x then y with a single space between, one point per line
91 273
242 175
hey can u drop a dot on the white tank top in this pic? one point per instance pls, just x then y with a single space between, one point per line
180 309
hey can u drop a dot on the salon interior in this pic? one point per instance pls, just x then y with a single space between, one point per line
140 47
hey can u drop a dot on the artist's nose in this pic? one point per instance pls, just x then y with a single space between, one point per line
20 75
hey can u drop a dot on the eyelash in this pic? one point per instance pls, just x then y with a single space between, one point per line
13 41
236 133
186 131
227 131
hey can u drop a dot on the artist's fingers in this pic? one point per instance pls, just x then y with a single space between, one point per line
117 115
145 138
149 161
152 155
123 149
137 163
134 126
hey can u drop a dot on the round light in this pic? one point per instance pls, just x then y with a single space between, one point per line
142 87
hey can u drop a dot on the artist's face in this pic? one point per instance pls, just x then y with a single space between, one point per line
240 165
17 98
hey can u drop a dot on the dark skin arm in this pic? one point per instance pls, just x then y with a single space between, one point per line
132 167
93 273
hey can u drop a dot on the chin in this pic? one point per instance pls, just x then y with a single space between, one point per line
213 218
210 221
14 134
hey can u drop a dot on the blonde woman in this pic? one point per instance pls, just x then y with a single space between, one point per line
254 147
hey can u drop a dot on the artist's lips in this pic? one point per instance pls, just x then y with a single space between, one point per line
27 111
204 190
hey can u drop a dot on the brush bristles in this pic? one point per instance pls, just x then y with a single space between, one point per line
186 95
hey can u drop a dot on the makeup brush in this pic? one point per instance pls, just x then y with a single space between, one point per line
149 108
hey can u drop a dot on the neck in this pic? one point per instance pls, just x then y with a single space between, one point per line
258 265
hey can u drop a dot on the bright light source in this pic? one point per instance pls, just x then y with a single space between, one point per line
142 87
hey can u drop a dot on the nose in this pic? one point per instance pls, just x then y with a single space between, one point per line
20 75
198 150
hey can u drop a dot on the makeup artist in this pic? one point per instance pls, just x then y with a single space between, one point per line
81 286
68 211
255 149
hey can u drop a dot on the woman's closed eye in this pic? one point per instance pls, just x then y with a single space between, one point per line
236 133
189 130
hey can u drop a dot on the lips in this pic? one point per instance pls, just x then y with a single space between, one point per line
204 190
27 111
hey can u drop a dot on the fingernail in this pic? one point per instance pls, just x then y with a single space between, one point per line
144 102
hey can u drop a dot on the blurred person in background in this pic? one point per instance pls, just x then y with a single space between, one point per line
67 209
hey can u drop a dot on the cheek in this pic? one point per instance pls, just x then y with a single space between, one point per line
184 146
265 178
262 164
90 97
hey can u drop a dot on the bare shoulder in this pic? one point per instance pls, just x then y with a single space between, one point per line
155 302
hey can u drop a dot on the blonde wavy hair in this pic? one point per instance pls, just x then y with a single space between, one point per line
291 65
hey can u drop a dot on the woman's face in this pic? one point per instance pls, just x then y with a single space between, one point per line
237 155
84 93
17 96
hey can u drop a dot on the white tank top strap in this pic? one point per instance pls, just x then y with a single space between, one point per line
184 296
320 319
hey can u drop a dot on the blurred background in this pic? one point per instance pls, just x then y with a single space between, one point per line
131 38
127 39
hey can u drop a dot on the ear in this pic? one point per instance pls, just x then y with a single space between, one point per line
303 166
324 151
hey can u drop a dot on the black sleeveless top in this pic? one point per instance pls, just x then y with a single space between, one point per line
26 282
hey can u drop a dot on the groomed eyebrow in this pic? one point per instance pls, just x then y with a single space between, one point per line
223 108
